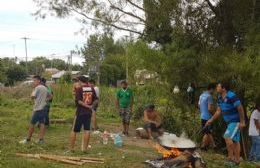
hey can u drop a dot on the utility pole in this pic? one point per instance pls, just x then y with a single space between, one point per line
70 62
26 56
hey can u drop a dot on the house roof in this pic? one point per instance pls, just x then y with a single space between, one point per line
61 73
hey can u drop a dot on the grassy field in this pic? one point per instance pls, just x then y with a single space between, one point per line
14 119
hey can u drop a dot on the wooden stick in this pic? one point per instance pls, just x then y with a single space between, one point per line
40 156
92 161
63 157
61 160
37 156
77 158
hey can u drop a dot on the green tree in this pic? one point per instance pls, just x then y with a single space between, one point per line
14 74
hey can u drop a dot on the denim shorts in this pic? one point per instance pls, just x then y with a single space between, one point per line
38 117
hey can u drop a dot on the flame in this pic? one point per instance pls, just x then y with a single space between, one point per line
174 152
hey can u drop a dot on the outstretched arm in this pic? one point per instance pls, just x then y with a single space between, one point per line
214 117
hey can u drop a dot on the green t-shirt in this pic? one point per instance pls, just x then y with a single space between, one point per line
125 97
50 92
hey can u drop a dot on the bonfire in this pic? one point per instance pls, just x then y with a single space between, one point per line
177 152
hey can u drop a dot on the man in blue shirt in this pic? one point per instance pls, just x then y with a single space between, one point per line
232 111
207 109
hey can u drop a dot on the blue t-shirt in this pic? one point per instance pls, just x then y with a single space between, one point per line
228 106
204 101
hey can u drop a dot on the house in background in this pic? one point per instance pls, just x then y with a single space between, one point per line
143 76
51 70
57 76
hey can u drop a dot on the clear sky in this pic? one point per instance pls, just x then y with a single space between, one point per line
47 37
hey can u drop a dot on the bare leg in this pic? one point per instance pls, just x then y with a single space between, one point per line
85 142
94 120
30 132
237 152
230 148
42 131
205 141
211 140
149 131
126 128
73 136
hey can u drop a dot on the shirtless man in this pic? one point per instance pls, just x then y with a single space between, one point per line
152 121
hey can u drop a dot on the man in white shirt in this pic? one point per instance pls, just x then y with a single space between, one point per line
40 96
254 132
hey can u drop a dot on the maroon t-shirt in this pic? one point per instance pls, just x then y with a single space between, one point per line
87 95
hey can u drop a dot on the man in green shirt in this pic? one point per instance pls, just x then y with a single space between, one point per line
124 104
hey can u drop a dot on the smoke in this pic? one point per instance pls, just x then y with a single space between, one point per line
171 140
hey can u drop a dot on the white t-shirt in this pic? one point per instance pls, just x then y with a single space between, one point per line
97 91
253 131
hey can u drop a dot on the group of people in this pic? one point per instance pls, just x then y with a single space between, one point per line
230 107
87 99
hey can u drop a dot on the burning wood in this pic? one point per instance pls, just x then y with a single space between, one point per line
174 152
176 158
63 159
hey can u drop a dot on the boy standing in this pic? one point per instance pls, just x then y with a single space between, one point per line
85 97
39 95
49 101
124 104
207 109
254 132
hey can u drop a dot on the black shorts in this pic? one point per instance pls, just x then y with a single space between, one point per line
84 120
205 130
152 126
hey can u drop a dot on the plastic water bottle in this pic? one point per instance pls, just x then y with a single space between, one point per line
118 141
105 138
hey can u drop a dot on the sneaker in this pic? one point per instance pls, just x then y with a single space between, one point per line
40 142
25 141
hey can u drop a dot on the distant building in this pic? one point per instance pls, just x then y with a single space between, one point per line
51 70
143 76
57 76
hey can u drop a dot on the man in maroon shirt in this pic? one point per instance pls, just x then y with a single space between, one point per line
85 98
